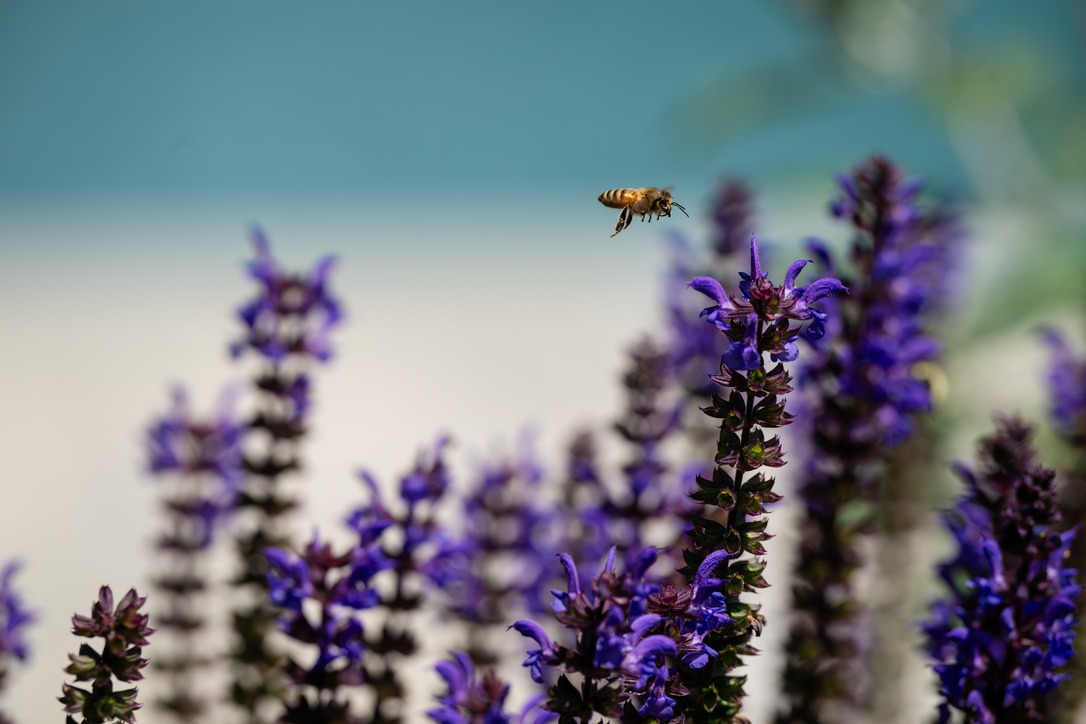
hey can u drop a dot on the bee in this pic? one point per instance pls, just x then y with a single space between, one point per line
645 201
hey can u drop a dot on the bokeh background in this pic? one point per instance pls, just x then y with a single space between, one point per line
451 155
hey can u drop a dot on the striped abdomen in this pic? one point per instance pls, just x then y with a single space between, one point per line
619 198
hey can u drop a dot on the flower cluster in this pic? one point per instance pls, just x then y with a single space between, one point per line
659 632
498 561
341 585
293 315
205 458
202 461
864 386
1001 638
900 255
633 640
125 633
408 539
758 321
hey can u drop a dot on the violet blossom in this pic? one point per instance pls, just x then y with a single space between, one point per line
1006 630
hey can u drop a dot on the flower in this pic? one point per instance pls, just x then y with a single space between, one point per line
630 626
125 632
204 451
1067 387
1001 638
757 321
294 313
14 617
341 585
741 317
470 700
864 385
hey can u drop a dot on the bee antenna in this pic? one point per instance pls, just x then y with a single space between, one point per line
680 208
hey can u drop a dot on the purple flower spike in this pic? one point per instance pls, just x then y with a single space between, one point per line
319 595
125 633
760 320
1009 623
865 383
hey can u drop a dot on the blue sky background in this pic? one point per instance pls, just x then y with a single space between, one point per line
451 154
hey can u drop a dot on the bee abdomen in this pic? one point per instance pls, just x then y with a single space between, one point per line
618 198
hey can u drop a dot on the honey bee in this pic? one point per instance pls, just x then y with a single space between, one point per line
645 201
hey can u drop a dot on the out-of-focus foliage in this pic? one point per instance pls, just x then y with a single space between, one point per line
992 93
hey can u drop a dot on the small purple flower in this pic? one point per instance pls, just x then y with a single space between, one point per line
14 618
471 700
537 658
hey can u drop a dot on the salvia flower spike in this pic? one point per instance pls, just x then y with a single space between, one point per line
763 320
1002 636
125 632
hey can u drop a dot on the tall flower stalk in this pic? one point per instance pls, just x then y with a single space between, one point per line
125 632
864 386
408 537
287 328
1002 637
764 319
199 462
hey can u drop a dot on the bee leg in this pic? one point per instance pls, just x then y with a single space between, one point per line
624 219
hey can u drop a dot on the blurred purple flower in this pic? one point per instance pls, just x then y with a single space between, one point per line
471 700
14 618
293 314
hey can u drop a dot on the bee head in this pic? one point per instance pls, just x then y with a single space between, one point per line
663 204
